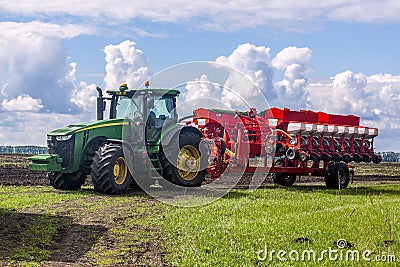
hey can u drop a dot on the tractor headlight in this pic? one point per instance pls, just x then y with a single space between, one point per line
63 137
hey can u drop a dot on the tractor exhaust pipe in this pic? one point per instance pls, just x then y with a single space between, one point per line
100 104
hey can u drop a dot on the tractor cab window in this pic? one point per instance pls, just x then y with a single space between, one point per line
163 108
128 107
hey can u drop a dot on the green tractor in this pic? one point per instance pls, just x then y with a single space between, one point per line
142 143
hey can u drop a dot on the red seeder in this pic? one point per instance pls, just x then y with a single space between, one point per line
282 140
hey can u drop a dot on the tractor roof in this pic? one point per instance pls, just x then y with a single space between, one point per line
142 91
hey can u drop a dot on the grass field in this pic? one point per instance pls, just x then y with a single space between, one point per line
233 230
43 226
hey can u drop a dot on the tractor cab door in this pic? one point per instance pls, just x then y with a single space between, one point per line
132 110
161 113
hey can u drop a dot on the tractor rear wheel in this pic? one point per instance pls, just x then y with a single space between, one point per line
109 170
182 162
337 175
67 181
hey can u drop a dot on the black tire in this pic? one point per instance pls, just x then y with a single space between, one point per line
285 179
336 157
67 181
357 158
182 152
109 170
376 159
347 158
366 158
315 156
325 157
337 175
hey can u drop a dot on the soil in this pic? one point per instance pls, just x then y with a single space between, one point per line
14 171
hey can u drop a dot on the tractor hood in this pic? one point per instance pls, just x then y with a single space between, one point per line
75 128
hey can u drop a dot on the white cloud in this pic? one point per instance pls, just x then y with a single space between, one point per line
22 103
291 90
199 93
376 99
349 94
383 78
30 128
200 88
85 98
35 62
40 78
365 11
215 15
24 30
292 55
254 63
125 64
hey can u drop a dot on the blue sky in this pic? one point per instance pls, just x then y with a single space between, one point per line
362 47
53 55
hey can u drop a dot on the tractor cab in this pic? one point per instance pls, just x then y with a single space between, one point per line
148 110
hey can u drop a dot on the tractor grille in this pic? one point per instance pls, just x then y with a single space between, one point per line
65 149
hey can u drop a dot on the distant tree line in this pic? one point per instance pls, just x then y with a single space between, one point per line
389 156
31 150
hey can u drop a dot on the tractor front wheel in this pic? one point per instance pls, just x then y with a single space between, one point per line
67 181
337 175
109 170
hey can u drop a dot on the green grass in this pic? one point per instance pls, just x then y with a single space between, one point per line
232 230
39 225
17 197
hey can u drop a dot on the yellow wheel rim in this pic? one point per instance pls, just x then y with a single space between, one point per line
120 170
188 162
